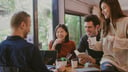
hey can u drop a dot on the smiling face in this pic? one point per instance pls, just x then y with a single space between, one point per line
61 33
90 29
105 10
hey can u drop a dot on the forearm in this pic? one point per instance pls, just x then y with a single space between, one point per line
53 46
92 60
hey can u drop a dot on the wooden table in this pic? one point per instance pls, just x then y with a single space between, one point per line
81 67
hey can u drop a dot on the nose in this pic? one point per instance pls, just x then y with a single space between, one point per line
102 12
59 33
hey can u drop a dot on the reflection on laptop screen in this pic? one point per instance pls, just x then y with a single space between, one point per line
48 56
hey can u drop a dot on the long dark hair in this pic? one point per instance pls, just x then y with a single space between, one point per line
65 29
58 46
115 11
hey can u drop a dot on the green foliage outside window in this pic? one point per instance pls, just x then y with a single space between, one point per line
9 7
6 7
73 24
45 22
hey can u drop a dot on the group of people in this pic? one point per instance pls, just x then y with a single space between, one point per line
109 51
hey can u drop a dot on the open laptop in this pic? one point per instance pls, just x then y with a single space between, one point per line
48 56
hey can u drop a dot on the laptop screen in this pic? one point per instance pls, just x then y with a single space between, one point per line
48 56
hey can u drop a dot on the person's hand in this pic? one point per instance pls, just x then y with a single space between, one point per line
92 60
83 58
57 41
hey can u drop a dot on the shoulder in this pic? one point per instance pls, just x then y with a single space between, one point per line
3 43
126 20
123 20
71 41
21 45
71 44
24 44
28 45
84 38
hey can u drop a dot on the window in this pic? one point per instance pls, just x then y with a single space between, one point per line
75 26
7 9
45 22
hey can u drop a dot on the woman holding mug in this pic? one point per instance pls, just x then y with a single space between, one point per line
114 38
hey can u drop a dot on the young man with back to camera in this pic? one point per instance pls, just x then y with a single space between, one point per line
16 52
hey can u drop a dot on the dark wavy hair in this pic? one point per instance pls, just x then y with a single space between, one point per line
63 26
92 18
115 11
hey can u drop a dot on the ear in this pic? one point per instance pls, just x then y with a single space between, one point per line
98 27
22 25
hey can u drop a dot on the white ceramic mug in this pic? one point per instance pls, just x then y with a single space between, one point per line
74 63
92 40
60 63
